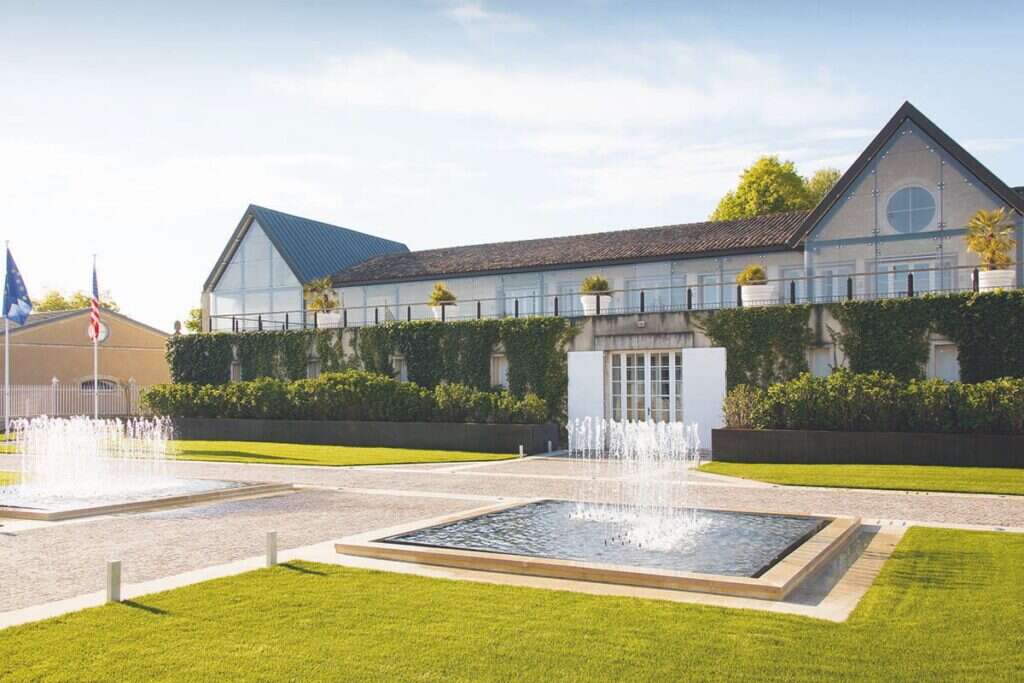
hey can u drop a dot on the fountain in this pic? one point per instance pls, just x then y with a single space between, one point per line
71 467
631 520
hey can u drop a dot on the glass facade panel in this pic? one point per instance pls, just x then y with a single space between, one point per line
256 285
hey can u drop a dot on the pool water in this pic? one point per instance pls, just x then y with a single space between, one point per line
680 539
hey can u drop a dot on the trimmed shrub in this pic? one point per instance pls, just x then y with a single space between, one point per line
350 395
877 402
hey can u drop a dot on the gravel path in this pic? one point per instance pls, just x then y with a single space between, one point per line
41 562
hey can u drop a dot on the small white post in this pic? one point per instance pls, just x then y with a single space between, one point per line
549 446
114 581
271 548
522 451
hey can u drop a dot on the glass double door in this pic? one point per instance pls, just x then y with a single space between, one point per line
646 385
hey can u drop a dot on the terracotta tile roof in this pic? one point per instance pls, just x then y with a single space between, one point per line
763 233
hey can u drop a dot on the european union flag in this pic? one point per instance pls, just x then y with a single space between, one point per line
17 305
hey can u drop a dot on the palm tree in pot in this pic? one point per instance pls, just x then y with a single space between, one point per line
442 299
990 236
322 300
591 289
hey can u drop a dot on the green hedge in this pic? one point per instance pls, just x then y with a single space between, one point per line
879 402
348 395
435 353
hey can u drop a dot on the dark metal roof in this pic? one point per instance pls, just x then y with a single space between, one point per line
772 232
310 248
1019 190
1014 200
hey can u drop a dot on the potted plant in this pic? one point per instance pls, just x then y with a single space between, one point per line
755 289
322 300
442 299
591 289
990 236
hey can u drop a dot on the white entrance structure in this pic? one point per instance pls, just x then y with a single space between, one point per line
684 385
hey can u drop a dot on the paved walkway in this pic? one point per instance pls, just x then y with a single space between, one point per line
42 562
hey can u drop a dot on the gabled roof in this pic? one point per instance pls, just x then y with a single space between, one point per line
38 319
907 111
772 232
310 248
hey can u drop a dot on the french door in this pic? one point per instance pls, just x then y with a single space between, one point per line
646 385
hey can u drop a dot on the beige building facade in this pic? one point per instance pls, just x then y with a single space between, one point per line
57 346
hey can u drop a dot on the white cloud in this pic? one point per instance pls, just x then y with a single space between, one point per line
475 15
975 145
661 85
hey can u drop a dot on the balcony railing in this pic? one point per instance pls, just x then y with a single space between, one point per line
823 288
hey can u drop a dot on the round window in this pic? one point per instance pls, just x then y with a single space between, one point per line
911 209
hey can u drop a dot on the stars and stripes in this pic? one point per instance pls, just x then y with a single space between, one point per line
94 308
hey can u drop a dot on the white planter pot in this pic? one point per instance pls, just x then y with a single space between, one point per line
589 303
759 295
451 312
989 280
332 319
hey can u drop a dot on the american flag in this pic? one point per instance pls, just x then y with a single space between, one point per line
94 308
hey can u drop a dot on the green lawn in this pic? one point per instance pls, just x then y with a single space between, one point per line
900 477
949 605
303 454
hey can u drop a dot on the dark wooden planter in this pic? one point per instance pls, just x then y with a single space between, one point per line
448 436
798 446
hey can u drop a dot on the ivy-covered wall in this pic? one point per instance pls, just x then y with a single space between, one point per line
769 344
764 345
434 352
892 335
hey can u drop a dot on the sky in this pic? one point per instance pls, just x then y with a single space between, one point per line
142 133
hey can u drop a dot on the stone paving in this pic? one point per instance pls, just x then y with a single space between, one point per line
42 562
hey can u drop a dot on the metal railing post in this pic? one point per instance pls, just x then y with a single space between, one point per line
376 315
478 310
641 301
344 317
792 291
556 306
739 296
598 298
975 277
408 313
286 321
849 289
689 298
444 310
910 285
259 322
316 319
517 308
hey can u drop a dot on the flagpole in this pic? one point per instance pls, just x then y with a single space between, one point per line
7 354
95 361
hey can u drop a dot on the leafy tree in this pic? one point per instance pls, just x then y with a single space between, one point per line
819 184
770 186
194 322
54 300
767 186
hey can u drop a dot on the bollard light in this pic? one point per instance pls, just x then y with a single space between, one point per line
114 581
271 548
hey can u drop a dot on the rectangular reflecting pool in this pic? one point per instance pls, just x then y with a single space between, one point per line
690 540
739 553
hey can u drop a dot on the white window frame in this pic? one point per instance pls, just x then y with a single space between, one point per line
619 387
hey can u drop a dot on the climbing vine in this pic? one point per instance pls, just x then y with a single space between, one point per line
888 335
200 358
764 344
